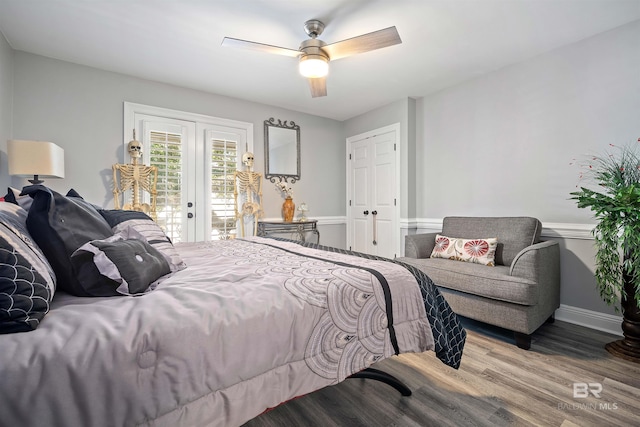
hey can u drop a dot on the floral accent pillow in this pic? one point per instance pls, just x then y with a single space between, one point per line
478 251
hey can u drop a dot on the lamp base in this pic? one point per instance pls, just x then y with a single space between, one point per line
35 180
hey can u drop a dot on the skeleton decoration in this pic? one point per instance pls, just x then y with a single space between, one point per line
135 177
248 188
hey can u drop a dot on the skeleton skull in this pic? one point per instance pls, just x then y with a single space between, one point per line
135 148
247 159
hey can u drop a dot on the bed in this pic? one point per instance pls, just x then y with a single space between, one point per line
248 324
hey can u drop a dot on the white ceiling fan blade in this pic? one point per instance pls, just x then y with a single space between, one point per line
318 87
261 47
364 43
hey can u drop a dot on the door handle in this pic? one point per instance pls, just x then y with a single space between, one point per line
375 228
366 212
189 215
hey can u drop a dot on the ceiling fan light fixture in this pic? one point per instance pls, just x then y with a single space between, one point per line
314 66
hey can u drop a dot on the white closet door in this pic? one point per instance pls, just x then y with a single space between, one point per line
361 173
373 221
383 198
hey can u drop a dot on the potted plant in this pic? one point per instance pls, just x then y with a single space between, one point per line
616 207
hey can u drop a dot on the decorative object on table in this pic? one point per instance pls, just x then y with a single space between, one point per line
288 207
37 159
248 188
616 206
135 177
303 211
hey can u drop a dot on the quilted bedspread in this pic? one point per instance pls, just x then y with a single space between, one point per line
249 324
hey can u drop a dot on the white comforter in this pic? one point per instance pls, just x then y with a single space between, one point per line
243 328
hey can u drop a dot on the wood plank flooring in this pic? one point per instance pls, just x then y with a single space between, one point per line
497 384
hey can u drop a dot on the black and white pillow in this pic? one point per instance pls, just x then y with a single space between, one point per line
27 281
60 225
132 224
127 266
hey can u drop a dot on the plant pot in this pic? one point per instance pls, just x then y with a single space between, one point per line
288 209
629 347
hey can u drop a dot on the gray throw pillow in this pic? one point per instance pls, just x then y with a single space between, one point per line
126 266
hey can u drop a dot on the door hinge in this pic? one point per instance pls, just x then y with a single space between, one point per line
394 202
349 202
394 146
349 247
349 156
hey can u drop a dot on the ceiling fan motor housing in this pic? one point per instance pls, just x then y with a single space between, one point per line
313 47
313 28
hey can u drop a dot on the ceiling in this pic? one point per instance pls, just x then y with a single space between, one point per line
444 42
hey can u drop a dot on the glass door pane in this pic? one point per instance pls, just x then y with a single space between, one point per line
166 155
224 156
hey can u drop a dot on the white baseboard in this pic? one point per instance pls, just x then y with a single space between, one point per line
590 319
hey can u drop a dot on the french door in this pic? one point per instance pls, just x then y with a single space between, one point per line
372 205
196 157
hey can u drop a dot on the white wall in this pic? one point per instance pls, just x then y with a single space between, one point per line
81 109
6 101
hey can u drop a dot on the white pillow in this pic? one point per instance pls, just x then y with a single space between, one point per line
478 251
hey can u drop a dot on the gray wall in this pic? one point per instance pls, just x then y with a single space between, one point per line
504 141
6 101
502 144
403 112
81 109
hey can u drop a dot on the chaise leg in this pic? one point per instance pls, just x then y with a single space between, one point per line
522 340
551 319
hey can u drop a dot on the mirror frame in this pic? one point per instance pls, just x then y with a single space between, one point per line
284 125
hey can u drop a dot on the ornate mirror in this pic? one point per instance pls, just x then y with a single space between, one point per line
282 150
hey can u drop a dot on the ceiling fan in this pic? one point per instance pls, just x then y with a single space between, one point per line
315 54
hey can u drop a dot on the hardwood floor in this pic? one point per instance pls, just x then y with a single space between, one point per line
497 384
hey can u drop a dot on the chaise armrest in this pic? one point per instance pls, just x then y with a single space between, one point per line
419 245
530 262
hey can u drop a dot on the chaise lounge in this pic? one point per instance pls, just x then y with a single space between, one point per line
519 292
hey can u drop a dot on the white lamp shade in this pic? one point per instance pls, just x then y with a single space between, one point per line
30 158
313 66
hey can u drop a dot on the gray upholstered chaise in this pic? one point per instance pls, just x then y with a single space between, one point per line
520 293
